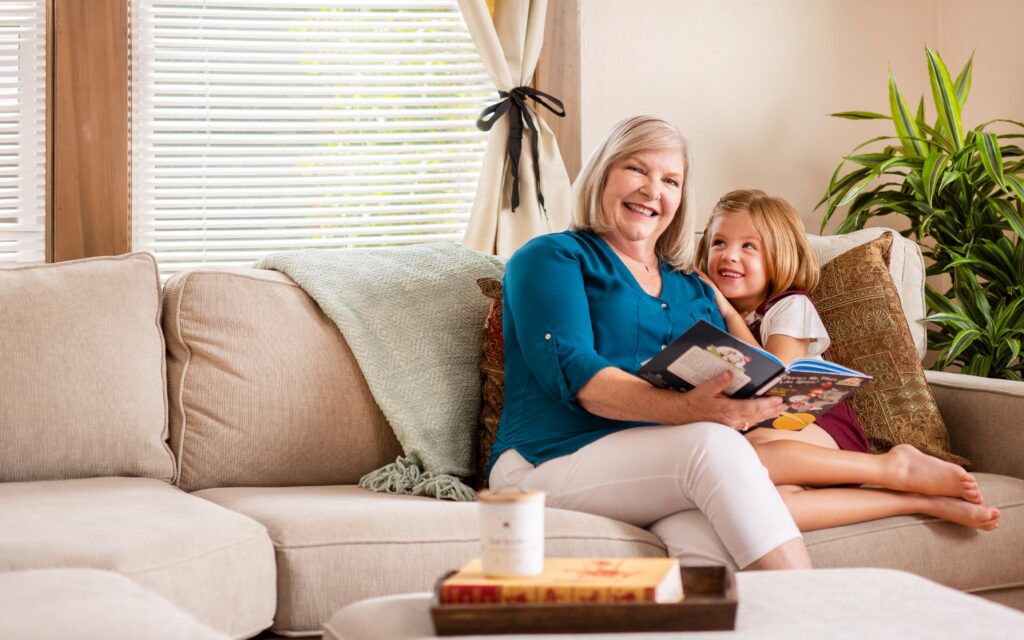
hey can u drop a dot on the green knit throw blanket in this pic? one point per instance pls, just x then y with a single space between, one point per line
413 317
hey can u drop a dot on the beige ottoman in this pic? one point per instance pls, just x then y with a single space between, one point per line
782 605
60 604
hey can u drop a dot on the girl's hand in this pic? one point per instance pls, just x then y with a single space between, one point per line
724 306
733 319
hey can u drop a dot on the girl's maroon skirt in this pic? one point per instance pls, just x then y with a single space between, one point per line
842 424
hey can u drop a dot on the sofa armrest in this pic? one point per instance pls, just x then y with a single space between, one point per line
984 417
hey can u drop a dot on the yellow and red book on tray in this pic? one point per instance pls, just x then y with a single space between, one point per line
571 580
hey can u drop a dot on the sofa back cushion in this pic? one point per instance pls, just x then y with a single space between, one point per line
263 388
82 389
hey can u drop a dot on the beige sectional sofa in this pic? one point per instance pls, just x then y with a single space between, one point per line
204 440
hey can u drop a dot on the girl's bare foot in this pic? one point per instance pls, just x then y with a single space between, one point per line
962 512
910 470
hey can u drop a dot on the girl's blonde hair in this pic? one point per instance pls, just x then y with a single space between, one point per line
634 135
788 259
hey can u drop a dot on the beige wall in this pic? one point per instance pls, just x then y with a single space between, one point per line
750 82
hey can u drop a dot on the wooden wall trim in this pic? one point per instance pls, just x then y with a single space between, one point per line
558 73
48 232
90 129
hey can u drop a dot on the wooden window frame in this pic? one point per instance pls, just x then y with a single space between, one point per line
89 161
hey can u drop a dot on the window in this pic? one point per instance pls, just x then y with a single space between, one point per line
266 125
22 131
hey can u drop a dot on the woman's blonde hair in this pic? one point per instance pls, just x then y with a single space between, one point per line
788 259
634 135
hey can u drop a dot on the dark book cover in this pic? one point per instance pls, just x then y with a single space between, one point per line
808 386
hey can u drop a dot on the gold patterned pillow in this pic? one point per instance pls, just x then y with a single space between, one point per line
493 368
861 310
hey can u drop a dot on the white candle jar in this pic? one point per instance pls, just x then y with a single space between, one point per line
512 533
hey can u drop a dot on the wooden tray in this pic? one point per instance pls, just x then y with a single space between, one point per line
709 605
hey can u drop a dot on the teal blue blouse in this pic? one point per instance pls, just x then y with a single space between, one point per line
572 308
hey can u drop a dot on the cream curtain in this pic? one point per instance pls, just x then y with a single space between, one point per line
509 46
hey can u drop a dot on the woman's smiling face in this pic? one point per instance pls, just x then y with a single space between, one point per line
641 196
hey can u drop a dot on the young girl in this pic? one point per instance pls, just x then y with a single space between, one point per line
754 253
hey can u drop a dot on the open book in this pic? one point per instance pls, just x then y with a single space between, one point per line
808 386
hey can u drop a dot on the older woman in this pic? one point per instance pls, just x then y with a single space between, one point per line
583 310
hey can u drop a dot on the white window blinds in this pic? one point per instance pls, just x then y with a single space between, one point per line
22 131
267 125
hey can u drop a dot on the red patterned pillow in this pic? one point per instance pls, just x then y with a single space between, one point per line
493 368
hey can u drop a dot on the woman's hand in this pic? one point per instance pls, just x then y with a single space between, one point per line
613 393
708 401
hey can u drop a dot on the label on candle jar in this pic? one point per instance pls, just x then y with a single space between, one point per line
512 533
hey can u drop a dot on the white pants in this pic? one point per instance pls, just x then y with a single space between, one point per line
699 487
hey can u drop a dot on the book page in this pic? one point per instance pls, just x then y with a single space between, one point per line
697 365
810 394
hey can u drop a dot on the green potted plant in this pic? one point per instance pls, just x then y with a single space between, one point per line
961 193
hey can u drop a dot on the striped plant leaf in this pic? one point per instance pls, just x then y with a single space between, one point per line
980 365
838 190
1012 215
949 177
1007 317
991 156
963 82
869 160
1014 345
954 319
875 173
944 96
860 115
936 137
857 188
935 166
938 301
963 339
1007 120
971 296
963 88
906 126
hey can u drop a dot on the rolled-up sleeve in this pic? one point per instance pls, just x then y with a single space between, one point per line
546 297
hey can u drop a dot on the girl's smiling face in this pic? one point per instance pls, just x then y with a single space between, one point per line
736 262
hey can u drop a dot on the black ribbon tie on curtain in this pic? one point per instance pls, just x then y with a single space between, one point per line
514 101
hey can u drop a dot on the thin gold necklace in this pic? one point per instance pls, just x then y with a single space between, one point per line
625 256
646 267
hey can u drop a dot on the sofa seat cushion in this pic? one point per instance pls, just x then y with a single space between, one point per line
339 544
959 557
59 604
215 564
